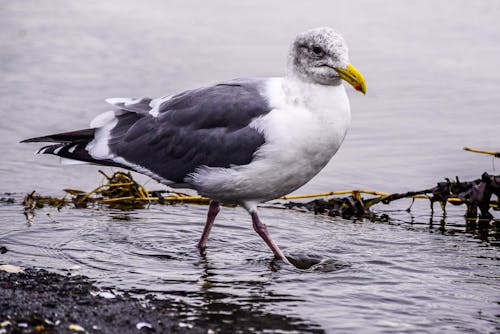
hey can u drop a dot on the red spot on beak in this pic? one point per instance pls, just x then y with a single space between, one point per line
357 87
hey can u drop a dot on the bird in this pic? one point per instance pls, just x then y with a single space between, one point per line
242 141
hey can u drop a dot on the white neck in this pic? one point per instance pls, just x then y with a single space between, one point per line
315 97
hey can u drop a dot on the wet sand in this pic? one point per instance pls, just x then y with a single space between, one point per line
43 302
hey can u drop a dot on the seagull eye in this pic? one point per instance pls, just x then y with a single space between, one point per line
318 51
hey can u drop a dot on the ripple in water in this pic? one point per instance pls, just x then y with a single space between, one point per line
313 262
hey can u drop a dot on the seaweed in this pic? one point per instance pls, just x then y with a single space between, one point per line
475 150
119 191
476 194
122 192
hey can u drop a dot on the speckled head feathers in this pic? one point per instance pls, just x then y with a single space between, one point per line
314 55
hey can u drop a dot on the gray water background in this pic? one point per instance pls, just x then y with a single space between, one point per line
433 87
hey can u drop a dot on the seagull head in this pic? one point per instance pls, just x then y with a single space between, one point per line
320 56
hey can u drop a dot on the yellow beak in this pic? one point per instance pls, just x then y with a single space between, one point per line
352 76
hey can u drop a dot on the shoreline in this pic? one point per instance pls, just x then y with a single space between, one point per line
39 301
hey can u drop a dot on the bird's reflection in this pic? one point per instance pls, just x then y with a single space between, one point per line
233 310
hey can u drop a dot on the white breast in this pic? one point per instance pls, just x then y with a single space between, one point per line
302 133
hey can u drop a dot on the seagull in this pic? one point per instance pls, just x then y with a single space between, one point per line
243 141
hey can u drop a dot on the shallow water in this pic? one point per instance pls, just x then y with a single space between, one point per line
356 277
433 87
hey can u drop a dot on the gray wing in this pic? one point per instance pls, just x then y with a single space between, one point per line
203 127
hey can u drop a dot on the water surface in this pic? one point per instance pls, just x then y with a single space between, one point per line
433 87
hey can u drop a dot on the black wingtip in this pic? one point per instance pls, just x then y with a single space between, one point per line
43 139
29 140
77 136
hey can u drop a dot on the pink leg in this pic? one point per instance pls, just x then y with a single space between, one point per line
213 210
261 229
